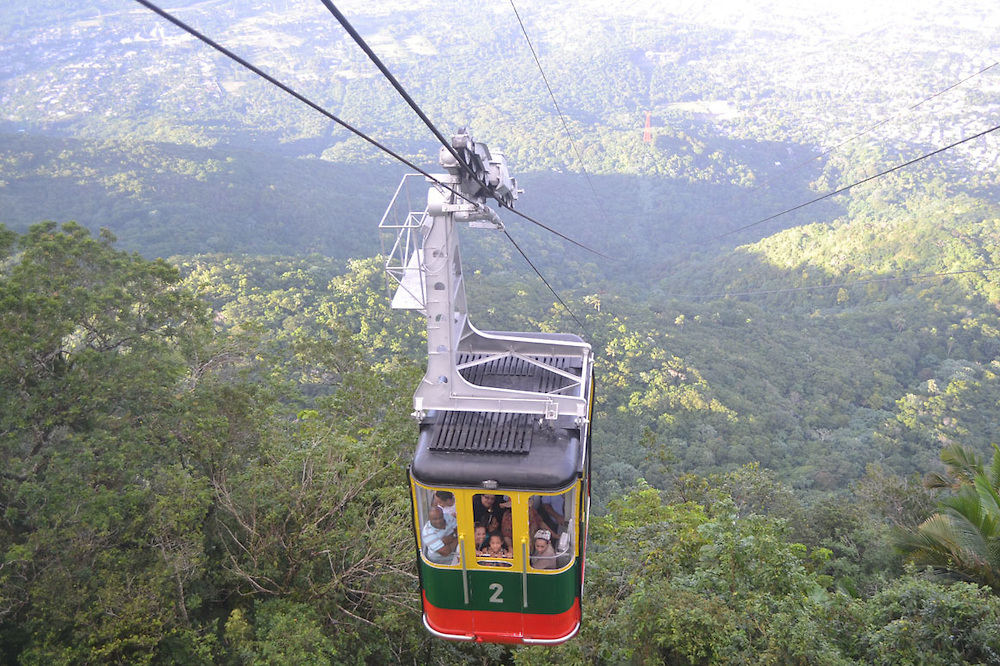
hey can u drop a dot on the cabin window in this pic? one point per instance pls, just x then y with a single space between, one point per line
436 511
494 529
477 529
552 525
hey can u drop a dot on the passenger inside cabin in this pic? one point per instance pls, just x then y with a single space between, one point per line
480 538
543 555
535 521
487 511
446 500
507 529
552 510
495 548
440 537
506 521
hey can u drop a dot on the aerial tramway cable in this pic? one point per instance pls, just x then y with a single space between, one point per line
542 278
888 120
208 41
346 24
302 98
852 185
788 172
562 117
870 129
399 88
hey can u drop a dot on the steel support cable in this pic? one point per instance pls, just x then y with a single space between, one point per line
399 88
894 116
430 125
841 285
182 25
562 117
853 185
302 98
954 85
546 282
874 127
557 233
784 174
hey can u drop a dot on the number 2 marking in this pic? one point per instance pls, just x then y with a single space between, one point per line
497 591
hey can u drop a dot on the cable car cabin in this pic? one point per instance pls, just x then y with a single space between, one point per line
500 477
501 504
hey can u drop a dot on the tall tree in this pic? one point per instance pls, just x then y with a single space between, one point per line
93 559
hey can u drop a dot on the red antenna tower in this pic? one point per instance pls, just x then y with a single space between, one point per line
647 134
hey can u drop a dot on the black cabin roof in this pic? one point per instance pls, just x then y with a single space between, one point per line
515 450
467 448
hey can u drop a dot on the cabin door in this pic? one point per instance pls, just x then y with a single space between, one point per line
497 558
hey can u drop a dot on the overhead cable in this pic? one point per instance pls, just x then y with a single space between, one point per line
270 79
447 144
395 84
346 24
553 231
546 282
302 98
871 129
852 185
562 116
788 172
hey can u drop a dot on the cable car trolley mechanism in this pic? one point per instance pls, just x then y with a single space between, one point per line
500 477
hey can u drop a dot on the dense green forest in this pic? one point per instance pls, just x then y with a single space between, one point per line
211 457
204 397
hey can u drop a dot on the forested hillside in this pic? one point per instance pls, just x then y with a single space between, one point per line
220 479
204 398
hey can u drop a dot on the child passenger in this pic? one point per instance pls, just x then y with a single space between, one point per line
495 548
446 500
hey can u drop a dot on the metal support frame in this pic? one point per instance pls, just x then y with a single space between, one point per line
424 264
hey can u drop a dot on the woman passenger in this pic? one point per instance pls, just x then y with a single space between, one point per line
480 538
543 555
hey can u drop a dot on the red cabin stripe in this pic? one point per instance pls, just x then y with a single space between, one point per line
501 627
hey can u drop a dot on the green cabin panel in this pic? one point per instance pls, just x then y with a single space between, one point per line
548 594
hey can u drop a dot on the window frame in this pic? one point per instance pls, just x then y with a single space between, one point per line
522 542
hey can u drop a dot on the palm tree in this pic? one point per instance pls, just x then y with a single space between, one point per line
962 540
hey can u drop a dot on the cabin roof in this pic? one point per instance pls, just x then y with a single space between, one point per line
515 450
518 451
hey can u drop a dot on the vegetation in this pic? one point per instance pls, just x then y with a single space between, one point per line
222 481
959 541
202 459
196 504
